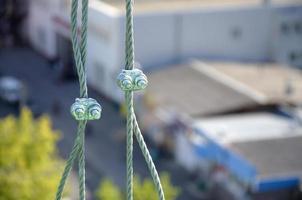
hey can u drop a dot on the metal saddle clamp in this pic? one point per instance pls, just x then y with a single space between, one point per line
86 109
132 80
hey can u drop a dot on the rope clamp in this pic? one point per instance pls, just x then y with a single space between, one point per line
132 80
86 109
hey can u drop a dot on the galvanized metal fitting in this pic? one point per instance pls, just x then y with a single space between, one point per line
132 80
86 109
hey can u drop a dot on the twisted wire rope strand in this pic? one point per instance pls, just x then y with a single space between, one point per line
84 30
80 53
72 156
132 124
148 159
83 91
129 44
129 59
129 145
81 164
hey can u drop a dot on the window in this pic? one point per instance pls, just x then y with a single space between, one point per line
99 74
236 32
284 28
298 27
292 57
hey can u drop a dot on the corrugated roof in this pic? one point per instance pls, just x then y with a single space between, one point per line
219 87
273 157
269 142
248 127
191 92
277 83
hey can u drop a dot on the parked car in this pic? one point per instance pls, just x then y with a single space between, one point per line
12 90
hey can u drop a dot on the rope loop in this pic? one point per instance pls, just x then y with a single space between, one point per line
84 108
129 80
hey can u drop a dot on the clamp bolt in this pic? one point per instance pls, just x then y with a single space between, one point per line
86 109
132 80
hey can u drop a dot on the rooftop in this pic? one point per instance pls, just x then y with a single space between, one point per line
156 5
249 127
273 83
187 90
270 142
199 89
273 157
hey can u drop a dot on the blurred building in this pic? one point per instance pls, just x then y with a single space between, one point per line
227 121
258 150
202 89
12 22
169 32
184 103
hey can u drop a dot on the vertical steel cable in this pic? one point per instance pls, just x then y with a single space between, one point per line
148 159
132 124
83 89
129 53
80 53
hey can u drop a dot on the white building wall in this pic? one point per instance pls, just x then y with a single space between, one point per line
184 153
228 33
41 33
287 36
154 38
154 45
104 59
244 33
231 33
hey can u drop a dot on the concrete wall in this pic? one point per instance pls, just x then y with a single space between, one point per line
155 39
103 61
41 34
241 33
230 33
287 35
235 33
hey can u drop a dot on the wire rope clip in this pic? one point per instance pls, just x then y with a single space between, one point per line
86 109
132 80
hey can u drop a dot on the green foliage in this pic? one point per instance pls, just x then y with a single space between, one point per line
29 165
143 190
108 191
171 192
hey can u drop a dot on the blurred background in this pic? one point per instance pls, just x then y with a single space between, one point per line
221 116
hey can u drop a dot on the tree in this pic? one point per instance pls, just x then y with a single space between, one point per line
29 163
108 191
143 190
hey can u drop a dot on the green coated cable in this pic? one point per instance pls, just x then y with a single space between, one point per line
80 53
84 29
79 56
148 159
69 163
129 59
82 75
132 124
81 157
129 145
